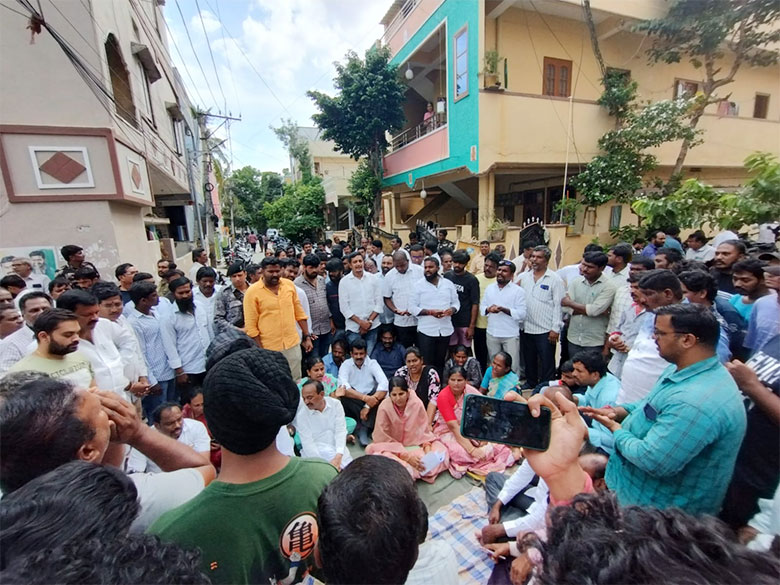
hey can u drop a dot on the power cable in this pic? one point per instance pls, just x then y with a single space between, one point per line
211 53
192 46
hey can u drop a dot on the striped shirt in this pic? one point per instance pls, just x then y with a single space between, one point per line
542 302
317 298
158 347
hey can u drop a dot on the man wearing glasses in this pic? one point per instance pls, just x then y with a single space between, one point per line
676 447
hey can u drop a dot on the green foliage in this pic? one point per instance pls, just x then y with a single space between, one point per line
491 62
628 233
702 31
695 203
368 106
250 190
619 93
620 171
568 209
298 149
299 212
363 186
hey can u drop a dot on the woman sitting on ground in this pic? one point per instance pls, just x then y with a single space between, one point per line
401 432
460 357
421 379
465 454
499 377
315 370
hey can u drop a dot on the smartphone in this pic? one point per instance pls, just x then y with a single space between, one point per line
500 421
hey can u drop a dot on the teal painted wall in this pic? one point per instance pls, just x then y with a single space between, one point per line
463 115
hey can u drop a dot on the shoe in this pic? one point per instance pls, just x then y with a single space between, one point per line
363 437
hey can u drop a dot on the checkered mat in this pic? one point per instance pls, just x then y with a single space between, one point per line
456 524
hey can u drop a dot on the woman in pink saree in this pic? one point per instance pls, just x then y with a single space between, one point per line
402 432
465 454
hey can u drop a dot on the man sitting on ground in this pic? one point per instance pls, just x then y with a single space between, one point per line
321 425
361 387
169 420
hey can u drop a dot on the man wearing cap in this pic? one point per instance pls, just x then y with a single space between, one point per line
271 310
229 306
257 523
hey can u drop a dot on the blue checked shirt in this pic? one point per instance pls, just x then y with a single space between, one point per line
678 445
158 347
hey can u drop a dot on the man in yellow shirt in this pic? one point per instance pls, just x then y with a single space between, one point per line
271 309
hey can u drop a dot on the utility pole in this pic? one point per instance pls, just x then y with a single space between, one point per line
206 153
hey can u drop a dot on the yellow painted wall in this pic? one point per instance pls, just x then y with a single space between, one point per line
520 125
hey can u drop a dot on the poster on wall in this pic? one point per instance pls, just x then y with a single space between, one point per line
44 259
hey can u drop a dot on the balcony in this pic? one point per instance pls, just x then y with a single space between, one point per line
403 19
421 149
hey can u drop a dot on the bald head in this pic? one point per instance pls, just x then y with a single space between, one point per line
550 392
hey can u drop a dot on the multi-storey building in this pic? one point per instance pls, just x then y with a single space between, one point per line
505 146
100 152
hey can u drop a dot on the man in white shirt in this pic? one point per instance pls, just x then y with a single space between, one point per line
206 293
321 426
644 364
619 258
398 285
22 342
698 248
169 421
434 301
543 290
396 245
504 306
24 268
105 344
200 259
375 252
360 301
362 385
188 327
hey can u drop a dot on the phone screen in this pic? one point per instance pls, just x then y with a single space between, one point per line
500 421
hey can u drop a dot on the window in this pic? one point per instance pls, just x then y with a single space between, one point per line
177 142
615 215
557 77
685 89
461 63
761 106
727 108
148 97
120 81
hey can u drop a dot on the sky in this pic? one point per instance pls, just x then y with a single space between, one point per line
266 54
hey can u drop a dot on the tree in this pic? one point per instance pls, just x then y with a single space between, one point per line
695 203
299 212
714 35
368 105
297 148
363 186
253 190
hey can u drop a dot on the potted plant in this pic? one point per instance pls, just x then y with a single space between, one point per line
497 229
491 69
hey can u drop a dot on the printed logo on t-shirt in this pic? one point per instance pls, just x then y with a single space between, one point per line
299 536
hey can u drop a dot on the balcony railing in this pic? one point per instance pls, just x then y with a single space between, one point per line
416 132
395 24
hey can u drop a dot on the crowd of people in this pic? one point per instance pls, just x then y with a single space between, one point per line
189 428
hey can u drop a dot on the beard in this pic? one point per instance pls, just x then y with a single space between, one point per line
431 278
186 305
59 349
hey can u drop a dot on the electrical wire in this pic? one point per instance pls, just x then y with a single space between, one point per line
192 46
211 53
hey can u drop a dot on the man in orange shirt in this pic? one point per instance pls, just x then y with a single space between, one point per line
271 310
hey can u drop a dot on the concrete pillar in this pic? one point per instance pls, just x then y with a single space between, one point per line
487 203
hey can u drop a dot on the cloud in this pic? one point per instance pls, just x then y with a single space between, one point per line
290 44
